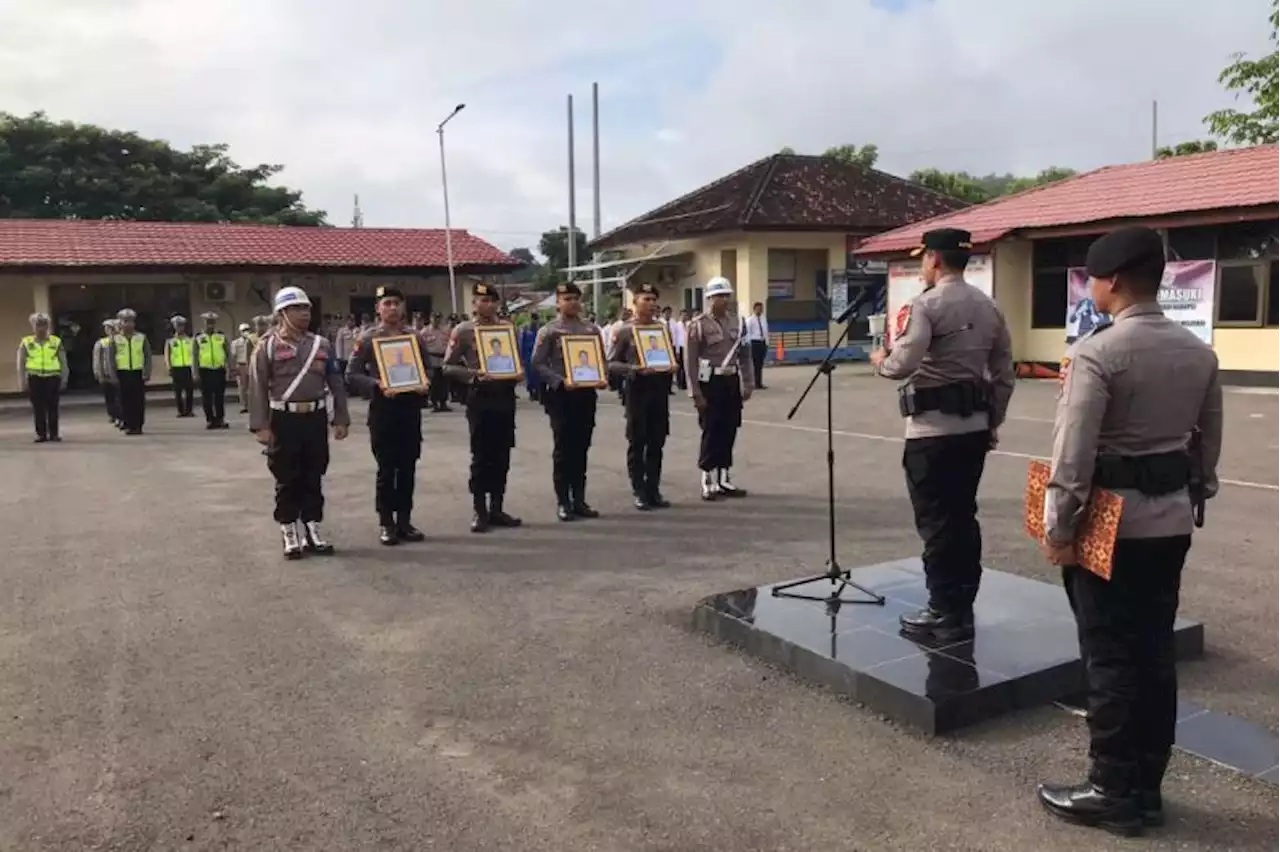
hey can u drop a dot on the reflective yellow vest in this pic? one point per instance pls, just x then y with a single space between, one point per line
213 351
129 352
180 352
42 357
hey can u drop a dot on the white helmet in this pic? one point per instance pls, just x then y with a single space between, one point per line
244 326
288 297
717 286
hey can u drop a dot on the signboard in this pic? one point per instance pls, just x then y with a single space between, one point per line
905 285
782 289
1186 297
838 292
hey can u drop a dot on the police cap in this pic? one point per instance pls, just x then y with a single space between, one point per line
646 290
944 239
388 293
568 289
1124 250
481 289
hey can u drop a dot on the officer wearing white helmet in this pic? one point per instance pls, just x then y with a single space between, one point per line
289 374
179 358
721 379
241 349
130 366
42 373
213 358
102 373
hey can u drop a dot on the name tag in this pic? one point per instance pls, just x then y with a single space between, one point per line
284 353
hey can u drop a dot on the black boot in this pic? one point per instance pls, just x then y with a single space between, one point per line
641 494
564 503
581 508
1091 805
498 517
931 624
1150 777
406 531
480 514
387 535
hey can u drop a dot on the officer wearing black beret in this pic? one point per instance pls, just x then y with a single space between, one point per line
953 349
571 408
1140 414
395 421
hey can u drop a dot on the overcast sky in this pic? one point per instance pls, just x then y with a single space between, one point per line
347 94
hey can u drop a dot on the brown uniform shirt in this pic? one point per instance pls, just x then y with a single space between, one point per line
461 359
1133 388
712 340
278 361
548 350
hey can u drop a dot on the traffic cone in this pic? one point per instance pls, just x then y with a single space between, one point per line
780 352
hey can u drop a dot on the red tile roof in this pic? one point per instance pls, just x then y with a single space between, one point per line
60 242
1220 180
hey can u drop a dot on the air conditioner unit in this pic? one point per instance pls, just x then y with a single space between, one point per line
219 292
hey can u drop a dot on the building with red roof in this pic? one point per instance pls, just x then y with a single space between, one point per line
1218 212
81 272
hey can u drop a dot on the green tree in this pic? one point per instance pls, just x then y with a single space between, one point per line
524 255
977 189
857 155
1196 146
554 246
1260 80
787 150
64 170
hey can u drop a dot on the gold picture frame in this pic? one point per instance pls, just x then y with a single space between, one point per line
660 358
499 355
400 365
583 361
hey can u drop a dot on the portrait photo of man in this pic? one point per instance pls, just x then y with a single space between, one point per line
655 355
499 360
402 372
584 372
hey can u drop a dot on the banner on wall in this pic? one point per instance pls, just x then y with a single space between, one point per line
1186 297
905 285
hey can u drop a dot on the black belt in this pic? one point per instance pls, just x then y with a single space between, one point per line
962 399
1153 475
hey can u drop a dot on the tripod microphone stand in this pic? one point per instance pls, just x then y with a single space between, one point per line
840 579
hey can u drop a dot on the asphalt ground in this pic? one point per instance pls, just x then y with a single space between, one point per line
168 682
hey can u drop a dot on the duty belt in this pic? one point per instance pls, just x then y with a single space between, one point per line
1153 475
725 371
963 399
299 407
42 374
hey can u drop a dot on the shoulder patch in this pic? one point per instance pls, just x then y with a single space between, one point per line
902 321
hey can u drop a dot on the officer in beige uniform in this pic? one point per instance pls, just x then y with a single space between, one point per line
290 373
956 356
720 381
102 373
1140 413
241 348
435 342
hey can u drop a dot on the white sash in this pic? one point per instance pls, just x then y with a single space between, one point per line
306 365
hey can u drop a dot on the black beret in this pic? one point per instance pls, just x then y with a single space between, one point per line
944 239
1134 247
649 289
569 289
482 289
388 293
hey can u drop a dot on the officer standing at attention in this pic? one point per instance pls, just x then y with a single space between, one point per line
648 405
572 411
130 365
435 342
241 348
395 423
102 373
42 373
1140 413
956 354
213 354
491 414
720 381
291 371
179 360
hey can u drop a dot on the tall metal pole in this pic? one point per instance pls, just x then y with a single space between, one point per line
1155 130
595 194
448 225
573 201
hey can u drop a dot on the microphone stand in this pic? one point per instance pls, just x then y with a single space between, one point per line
840 578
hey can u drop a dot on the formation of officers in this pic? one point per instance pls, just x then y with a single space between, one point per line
1139 414
298 389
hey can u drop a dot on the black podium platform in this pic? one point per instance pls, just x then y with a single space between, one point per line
1024 653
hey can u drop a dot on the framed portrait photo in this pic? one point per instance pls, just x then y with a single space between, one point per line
499 357
583 361
654 347
400 367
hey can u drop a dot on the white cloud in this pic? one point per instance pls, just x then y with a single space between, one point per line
347 95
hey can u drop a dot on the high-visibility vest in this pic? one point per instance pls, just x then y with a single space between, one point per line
129 352
213 351
180 352
42 355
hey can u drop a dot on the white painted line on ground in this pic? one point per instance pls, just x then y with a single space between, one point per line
867 436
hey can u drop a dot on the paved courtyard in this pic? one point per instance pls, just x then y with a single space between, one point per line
168 682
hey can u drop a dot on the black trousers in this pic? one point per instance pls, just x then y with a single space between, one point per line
719 422
648 423
758 350
942 481
395 436
44 392
111 396
573 421
438 392
133 399
1125 626
298 457
682 378
491 422
184 386
213 394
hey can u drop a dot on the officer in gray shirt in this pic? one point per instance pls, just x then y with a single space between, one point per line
955 353
1140 414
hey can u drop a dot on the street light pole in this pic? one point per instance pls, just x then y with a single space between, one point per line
448 227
